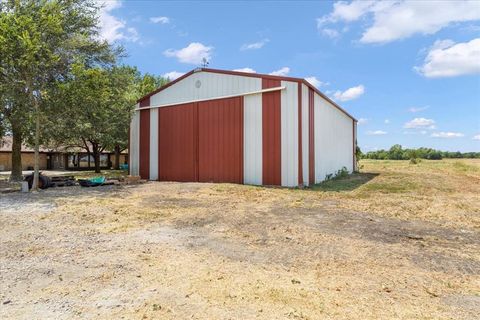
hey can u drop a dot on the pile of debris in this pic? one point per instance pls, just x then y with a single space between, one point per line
45 182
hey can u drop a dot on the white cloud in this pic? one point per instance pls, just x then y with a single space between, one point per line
349 94
376 133
447 135
386 121
160 20
476 137
415 109
331 33
362 121
246 69
255 45
420 123
281 72
315 82
192 54
449 59
111 27
394 20
172 75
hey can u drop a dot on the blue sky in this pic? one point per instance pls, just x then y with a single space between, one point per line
408 70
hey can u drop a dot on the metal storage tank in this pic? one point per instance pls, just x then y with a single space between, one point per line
225 126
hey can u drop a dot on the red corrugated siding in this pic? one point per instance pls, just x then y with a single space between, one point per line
311 136
271 134
144 155
177 143
220 140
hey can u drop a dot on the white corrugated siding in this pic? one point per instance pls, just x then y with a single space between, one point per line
305 137
134 151
154 144
212 85
252 142
333 139
289 133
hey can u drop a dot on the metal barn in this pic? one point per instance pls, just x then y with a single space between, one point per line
224 126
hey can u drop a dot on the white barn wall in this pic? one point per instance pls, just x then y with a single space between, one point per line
252 140
333 139
134 148
154 138
305 137
213 85
289 133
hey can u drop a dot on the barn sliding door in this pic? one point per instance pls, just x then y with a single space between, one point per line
220 140
202 141
177 150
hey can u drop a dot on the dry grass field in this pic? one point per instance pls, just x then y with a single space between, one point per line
395 241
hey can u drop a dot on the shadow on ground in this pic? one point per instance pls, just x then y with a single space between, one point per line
349 183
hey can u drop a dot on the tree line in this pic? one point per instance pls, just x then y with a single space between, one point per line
61 84
396 152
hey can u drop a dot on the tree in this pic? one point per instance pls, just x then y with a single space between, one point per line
39 42
97 107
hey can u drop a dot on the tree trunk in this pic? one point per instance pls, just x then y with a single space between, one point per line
96 158
116 166
17 138
36 167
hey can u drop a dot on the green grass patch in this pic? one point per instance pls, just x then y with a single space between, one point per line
348 183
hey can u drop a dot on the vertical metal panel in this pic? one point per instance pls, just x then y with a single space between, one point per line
306 133
354 142
300 141
144 140
134 144
271 134
220 140
205 85
333 139
311 135
252 146
289 133
177 143
153 144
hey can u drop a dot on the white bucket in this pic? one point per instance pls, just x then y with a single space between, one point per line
24 186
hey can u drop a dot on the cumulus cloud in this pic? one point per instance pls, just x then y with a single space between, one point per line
449 59
349 94
415 109
246 69
160 20
362 121
172 75
394 20
281 72
420 123
254 46
192 54
111 27
376 133
476 137
386 121
315 82
447 135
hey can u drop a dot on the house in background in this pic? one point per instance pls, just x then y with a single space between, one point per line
63 158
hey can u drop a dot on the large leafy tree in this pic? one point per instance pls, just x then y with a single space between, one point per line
39 43
97 106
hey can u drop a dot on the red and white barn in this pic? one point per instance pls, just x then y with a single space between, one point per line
225 126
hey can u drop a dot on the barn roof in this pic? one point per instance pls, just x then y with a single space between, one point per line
247 74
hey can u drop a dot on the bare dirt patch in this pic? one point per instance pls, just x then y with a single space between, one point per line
207 251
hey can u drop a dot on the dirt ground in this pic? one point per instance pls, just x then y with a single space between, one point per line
394 242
